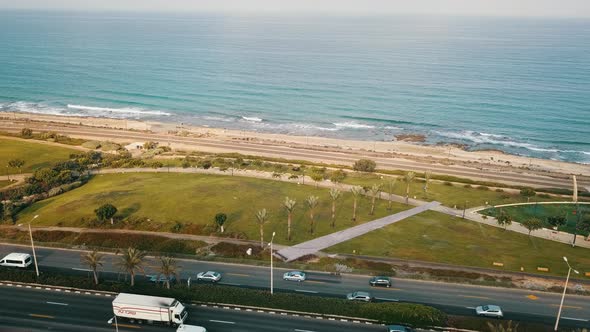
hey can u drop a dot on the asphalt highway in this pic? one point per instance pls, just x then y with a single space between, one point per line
41 310
524 305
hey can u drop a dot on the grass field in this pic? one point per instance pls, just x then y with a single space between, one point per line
4 183
436 237
452 196
542 211
35 155
193 200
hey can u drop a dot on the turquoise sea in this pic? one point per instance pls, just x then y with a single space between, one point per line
518 85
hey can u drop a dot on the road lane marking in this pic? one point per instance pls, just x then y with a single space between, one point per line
56 303
238 274
392 288
474 297
566 306
78 269
306 291
298 330
532 297
229 284
578 319
127 326
384 299
221 321
316 281
42 316
470 308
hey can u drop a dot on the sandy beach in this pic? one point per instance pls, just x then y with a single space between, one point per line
443 155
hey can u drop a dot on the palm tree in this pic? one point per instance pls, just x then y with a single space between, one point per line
499 327
261 219
168 268
132 260
427 175
93 260
374 192
356 192
335 194
390 186
289 205
409 177
312 202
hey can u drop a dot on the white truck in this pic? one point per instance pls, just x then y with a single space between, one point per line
149 309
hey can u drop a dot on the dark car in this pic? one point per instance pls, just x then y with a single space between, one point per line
161 279
380 281
399 328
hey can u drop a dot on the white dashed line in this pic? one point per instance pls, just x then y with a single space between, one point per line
578 319
305 291
221 321
57 303
385 299
298 330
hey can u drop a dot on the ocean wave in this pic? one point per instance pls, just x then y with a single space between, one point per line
37 108
354 125
124 110
218 118
251 119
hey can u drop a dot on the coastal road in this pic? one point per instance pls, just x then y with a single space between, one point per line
42 310
330 157
460 299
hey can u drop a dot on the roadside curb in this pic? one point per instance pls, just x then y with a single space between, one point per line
57 288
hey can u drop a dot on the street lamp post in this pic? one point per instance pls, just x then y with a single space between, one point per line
564 290
271 267
33 245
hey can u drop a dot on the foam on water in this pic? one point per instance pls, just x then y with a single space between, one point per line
124 110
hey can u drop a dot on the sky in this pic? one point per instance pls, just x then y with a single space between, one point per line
536 8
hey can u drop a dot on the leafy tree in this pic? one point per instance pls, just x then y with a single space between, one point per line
168 268
504 219
557 221
26 133
532 224
364 165
261 219
374 192
16 163
335 194
582 227
356 192
408 178
220 219
427 176
338 176
390 187
93 260
528 193
312 202
106 211
132 260
150 145
289 205
317 177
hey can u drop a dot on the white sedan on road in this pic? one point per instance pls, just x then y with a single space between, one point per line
209 276
294 276
489 311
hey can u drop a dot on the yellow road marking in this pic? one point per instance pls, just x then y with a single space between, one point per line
566 306
42 316
127 326
532 297
238 274
474 297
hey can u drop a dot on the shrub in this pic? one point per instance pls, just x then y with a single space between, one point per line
26 133
467 186
91 145
364 165
499 190
483 188
447 183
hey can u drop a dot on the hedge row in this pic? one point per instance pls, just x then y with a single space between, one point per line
414 314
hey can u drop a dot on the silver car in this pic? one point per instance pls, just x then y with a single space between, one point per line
359 296
294 276
489 311
209 276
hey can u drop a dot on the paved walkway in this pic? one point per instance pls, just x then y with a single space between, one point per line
317 244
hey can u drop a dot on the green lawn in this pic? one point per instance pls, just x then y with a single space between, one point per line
436 237
193 200
35 155
452 196
542 211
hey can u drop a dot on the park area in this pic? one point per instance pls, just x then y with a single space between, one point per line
34 154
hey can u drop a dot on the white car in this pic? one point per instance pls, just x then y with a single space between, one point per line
294 276
489 311
209 276
359 296
16 259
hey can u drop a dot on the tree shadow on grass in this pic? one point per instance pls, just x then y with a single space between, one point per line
128 211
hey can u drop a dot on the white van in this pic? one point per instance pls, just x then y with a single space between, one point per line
16 260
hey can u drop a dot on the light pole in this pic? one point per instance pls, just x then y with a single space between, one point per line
564 290
271 267
33 245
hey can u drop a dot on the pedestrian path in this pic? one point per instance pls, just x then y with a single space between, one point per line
317 244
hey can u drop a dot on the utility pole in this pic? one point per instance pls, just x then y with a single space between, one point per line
33 246
271 267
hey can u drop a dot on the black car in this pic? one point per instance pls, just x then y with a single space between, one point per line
380 281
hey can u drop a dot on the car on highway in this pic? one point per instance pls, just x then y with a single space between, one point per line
211 276
380 281
399 328
359 296
160 279
294 276
489 310
16 259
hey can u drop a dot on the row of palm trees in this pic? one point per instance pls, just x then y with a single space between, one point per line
311 202
132 261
